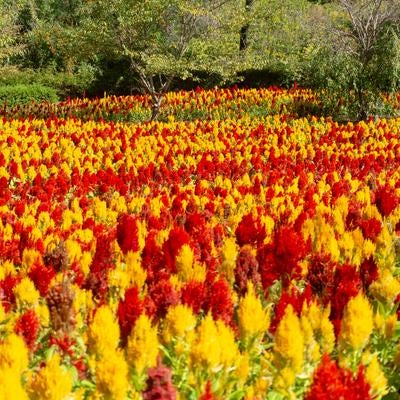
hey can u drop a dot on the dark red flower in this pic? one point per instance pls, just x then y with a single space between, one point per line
371 228
219 301
321 275
127 233
163 296
194 294
159 384
347 284
386 200
246 270
7 286
369 272
129 311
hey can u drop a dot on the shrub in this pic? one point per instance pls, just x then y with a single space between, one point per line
14 95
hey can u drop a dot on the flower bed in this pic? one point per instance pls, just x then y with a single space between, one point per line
222 258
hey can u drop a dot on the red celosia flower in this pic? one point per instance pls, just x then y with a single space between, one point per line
129 311
127 233
293 297
321 275
330 382
159 384
41 277
176 239
386 200
153 259
347 284
250 231
194 295
218 233
103 261
369 272
208 394
371 228
163 296
353 218
6 290
27 326
246 270
281 257
219 301
64 343
201 235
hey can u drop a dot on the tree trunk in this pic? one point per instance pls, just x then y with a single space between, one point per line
156 106
244 30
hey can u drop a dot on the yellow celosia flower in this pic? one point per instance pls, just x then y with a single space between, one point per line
26 293
357 323
85 262
368 248
184 262
386 287
74 250
229 255
137 275
112 376
42 311
29 256
14 354
288 348
142 346
11 385
243 367
252 317
205 350
327 334
52 382
390 326
103 333
227 344
376 378
322 327
179 322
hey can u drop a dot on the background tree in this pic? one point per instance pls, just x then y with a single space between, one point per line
368 39
10 45
358 58
163 40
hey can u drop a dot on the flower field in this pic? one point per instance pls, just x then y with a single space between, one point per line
228 252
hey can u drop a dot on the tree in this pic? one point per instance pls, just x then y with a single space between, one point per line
244 30
370 27
354 56
162 40
10 46
271 37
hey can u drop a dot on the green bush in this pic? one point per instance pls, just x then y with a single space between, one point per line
24 94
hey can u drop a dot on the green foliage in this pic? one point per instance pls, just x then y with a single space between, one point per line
351 65
24 94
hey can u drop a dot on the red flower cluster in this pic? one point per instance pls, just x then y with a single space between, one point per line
127 233
129 311
27 326
331 382
281 257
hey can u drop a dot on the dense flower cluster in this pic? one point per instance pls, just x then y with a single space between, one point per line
243 258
